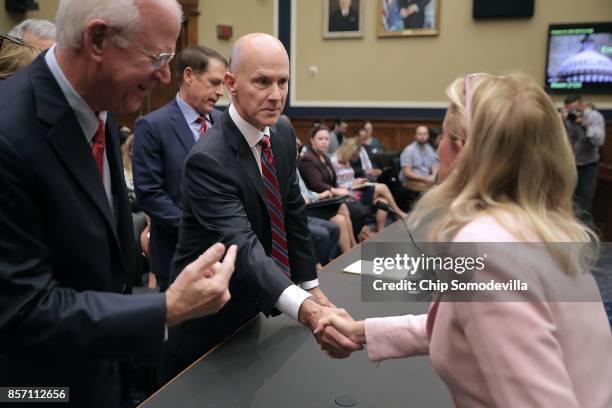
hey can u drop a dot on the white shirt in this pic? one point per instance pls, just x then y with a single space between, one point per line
86 117
292 297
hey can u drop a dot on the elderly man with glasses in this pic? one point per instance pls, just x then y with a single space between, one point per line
67 317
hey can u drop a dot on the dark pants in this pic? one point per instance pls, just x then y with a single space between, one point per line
585 190
325 235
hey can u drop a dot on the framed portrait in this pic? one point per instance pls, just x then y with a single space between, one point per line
399 18
343 18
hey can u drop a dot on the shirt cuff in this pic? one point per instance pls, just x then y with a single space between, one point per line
309 284
290 301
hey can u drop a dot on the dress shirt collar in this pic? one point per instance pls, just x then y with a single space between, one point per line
86 117
251 134
190 114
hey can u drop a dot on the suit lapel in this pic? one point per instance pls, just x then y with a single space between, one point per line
66 138
244 155
181 129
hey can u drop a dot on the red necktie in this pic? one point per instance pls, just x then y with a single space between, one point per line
275 207
203 125
97 148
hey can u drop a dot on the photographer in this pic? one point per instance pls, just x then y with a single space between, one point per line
586 130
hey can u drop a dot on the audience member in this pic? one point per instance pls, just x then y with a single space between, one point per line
340 217
586 129
14 55
39 33
164 138
318 173
419 163
365 163
66 313
502 353
363 191
371 141
336 136
240 188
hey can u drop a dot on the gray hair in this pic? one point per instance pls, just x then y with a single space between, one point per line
123 17
39 28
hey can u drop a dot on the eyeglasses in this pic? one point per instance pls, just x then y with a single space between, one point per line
12 39
158 61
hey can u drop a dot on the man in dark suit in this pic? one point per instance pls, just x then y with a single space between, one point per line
413 13
161 143
240 187
67 317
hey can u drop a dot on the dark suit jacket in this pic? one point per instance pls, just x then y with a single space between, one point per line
317 176
66 257
224 201
161 143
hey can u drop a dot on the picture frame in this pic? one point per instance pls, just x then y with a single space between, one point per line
343 18
405 18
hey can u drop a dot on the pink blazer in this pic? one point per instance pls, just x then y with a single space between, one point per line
508 354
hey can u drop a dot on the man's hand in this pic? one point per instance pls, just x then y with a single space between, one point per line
344 323
201 288
335 344
319 297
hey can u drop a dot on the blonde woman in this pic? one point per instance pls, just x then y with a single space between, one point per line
367 193
511 182
14 55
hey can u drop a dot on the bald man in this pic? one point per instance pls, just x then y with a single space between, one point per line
240 187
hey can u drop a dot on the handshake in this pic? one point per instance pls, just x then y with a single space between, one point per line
201 289
335 330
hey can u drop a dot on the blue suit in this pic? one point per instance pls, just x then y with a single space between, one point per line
161 143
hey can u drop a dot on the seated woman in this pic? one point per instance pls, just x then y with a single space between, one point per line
319 176
342 217
366 193
512 181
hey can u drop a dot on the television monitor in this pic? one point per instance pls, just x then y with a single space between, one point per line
579 58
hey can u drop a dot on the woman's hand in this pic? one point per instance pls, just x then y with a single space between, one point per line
338 192
359 181
325 194
344 323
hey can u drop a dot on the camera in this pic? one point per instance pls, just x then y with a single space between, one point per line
574 114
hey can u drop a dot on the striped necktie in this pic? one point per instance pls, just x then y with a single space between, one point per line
203 125
275 207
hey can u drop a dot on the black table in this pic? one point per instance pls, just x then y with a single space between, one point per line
276 362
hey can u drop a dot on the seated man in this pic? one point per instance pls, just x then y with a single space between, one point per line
419 163
365 164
